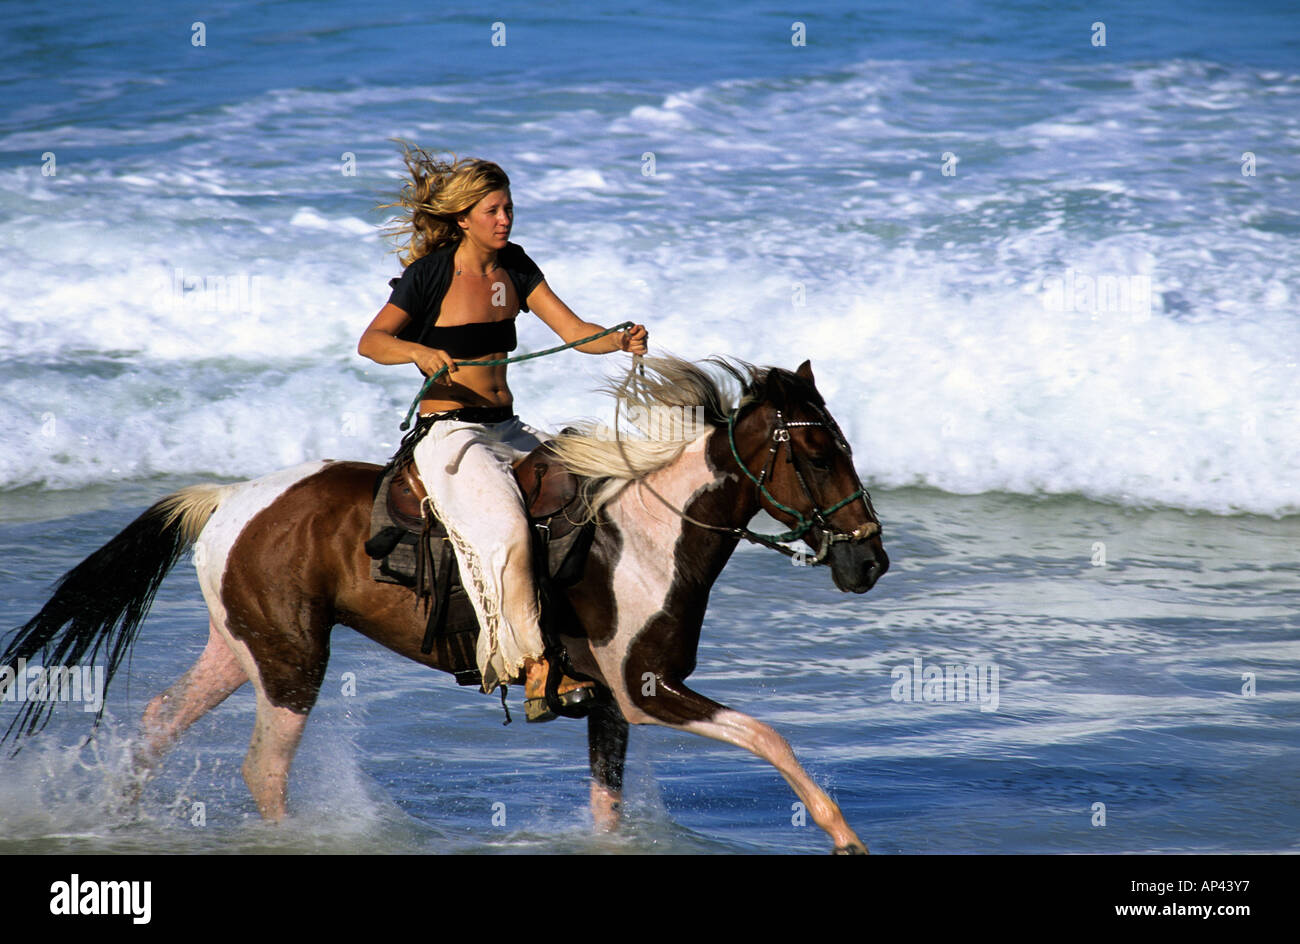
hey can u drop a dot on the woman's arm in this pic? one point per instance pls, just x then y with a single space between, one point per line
380 343
561 319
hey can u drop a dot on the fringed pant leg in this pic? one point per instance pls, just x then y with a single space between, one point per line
466 470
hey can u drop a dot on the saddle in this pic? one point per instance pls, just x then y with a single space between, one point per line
412 548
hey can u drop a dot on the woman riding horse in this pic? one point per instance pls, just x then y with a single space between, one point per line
462 287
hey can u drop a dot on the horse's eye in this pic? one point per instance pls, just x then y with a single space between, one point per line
821 465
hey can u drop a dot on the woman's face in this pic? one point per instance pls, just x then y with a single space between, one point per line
488 222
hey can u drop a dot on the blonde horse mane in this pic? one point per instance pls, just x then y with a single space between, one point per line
672 404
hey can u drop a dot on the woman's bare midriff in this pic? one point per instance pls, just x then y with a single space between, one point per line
470 386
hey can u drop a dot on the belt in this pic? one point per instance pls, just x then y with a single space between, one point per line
474 414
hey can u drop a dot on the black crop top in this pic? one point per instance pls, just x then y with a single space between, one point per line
474 340
423 285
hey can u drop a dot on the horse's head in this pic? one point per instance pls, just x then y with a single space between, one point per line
807 468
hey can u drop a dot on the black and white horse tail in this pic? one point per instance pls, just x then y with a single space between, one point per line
100 603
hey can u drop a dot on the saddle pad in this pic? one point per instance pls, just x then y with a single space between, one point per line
392 548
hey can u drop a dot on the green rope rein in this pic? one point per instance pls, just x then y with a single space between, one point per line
496 362
770 540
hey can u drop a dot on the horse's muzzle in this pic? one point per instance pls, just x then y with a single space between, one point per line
857 565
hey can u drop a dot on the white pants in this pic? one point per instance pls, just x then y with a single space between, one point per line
465 468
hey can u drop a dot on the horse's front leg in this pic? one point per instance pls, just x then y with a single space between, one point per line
607 750
671 703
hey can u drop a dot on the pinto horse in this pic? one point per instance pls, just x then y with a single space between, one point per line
281 562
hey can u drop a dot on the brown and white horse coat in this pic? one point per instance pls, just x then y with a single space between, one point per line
280 561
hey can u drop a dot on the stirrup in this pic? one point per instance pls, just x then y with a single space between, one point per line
572 703
539 709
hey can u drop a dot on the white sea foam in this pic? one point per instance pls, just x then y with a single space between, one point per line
188 326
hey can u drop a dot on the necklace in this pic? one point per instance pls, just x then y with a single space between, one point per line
495 265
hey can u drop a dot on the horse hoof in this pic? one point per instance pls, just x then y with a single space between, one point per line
851 849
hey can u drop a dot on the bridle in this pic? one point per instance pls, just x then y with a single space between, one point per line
819 516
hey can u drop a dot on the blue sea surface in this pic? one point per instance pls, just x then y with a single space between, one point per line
1048 286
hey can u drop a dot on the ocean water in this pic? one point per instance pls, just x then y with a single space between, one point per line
1048 287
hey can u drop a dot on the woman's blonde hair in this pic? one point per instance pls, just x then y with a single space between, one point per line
437 193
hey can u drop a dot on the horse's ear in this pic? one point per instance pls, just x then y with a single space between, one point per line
774 389
805 371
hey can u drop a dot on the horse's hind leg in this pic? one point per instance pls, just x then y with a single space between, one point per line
286 693
286 663
208 683
276 734
676 706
